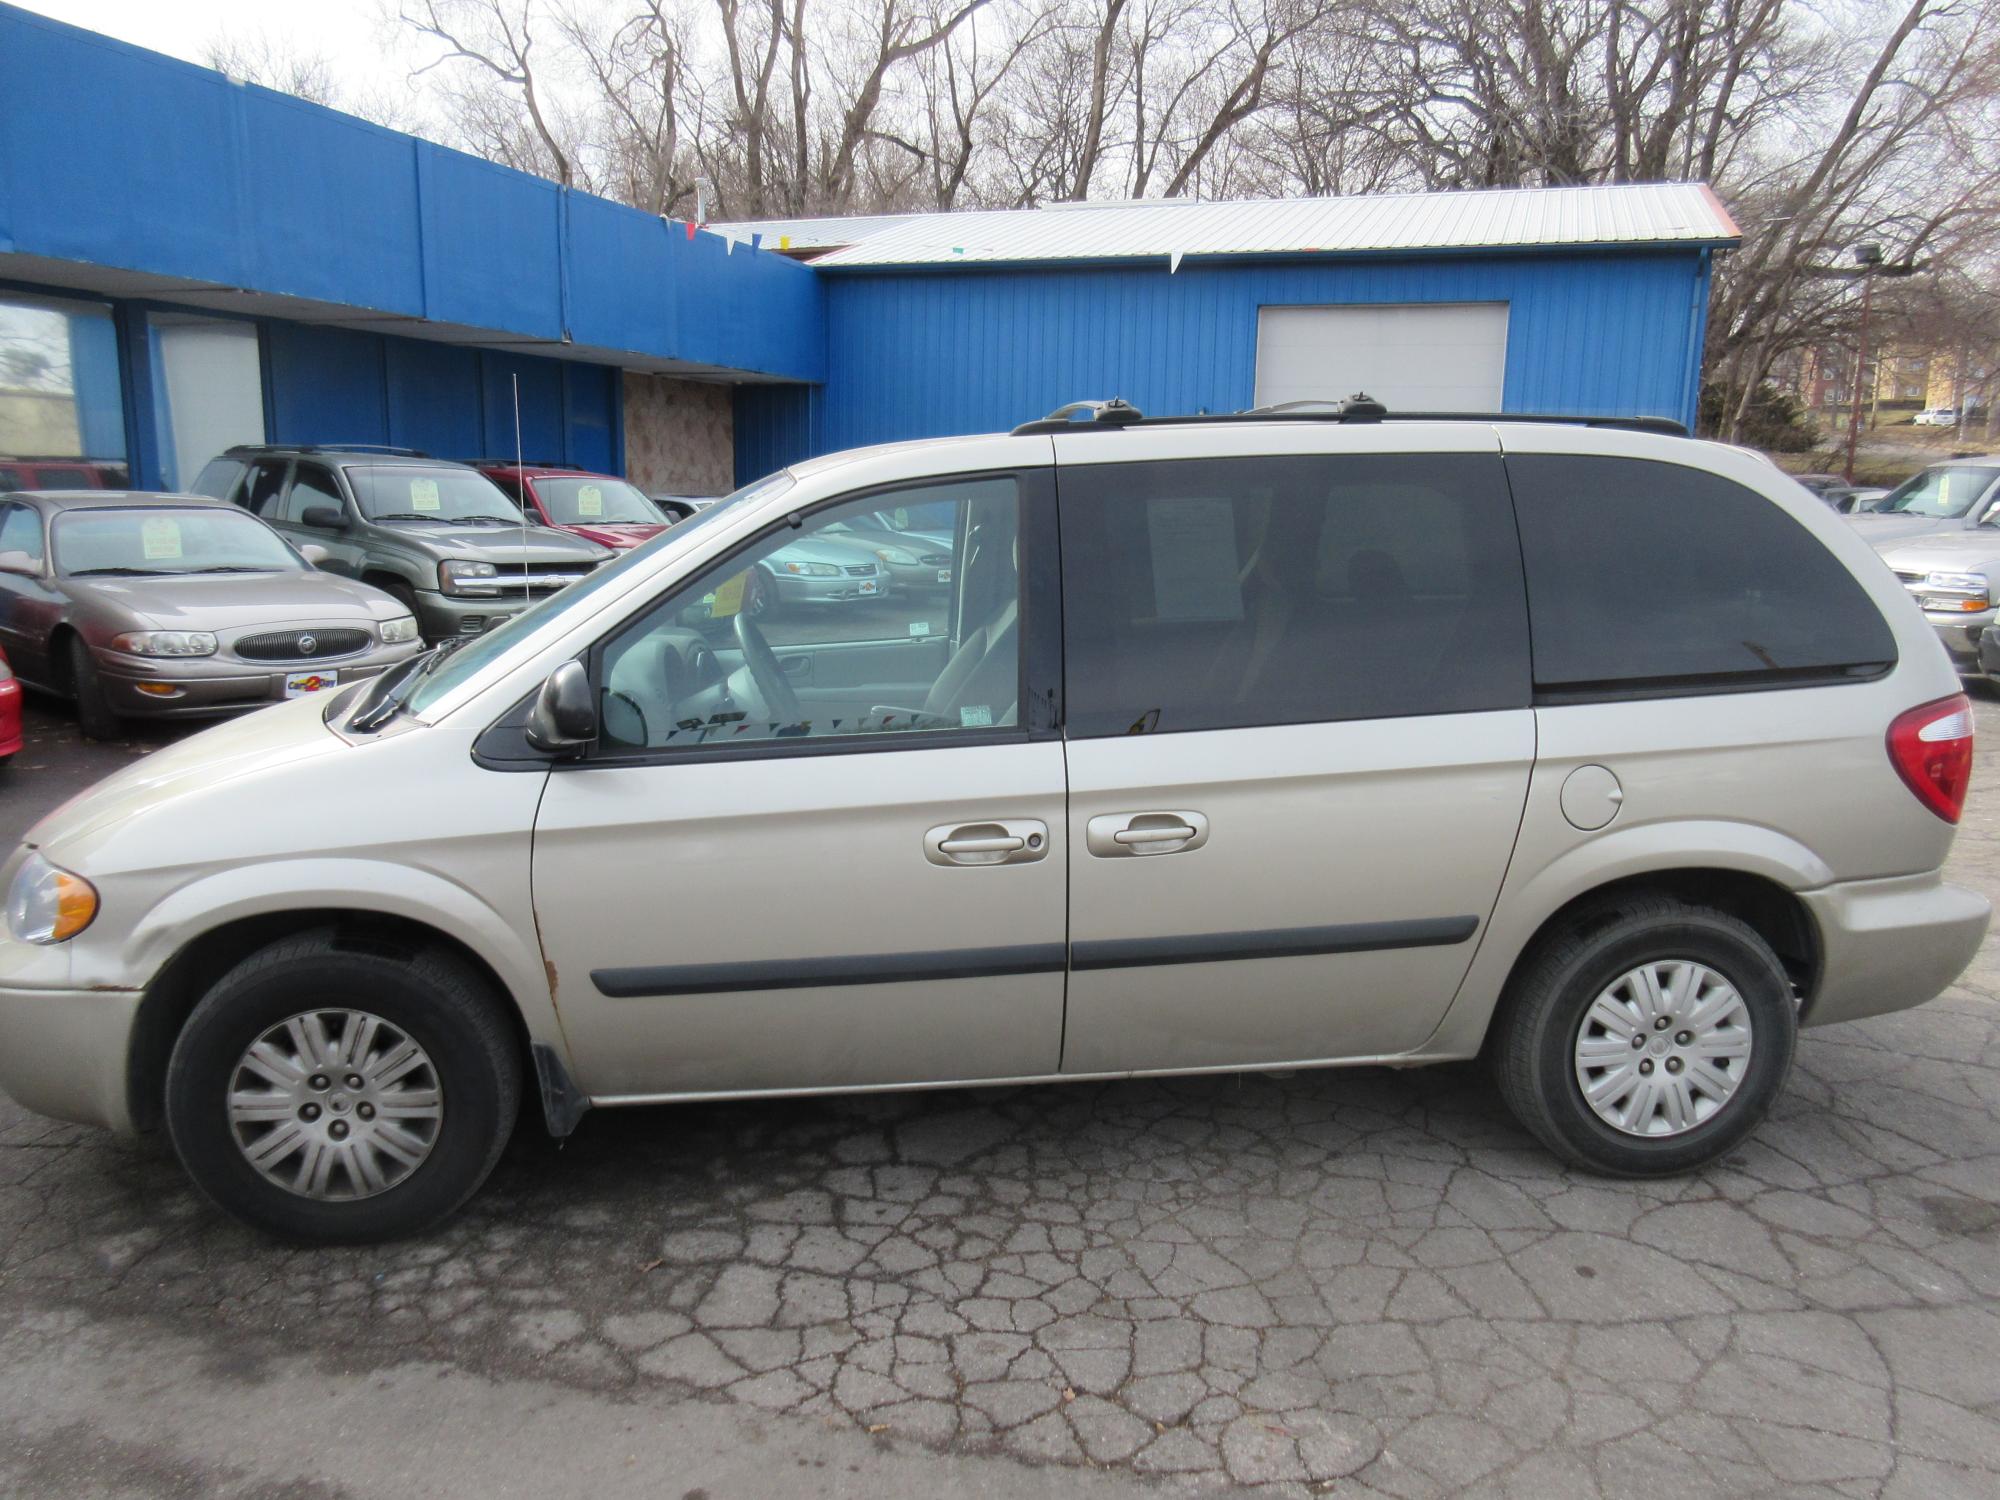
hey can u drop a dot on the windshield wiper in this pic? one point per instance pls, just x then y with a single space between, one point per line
484 521
122 572
232 568
404 515
385 699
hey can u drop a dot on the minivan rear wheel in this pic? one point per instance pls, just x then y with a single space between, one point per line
328 1094
1646 1038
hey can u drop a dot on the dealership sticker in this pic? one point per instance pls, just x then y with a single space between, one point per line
424 495
161 537
920 627
975 716
590 501
728 596
299 684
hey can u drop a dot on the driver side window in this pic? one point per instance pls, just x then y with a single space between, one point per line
841 627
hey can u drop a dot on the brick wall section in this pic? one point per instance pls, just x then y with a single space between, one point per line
680 435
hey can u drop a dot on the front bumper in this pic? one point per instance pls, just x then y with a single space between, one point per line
842 590
1890 944
204 687
65 1053
442 616
1960 634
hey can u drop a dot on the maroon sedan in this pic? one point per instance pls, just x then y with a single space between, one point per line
597 507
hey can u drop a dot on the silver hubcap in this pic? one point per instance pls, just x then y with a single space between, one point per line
1663 1047
335 1104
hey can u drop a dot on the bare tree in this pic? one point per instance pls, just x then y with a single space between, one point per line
492 40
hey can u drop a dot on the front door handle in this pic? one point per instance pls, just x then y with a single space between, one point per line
1004 841
1138 835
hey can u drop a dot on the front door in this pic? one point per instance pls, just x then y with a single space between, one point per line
821 841
1300 740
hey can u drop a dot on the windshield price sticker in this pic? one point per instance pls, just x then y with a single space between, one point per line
728 596
160 536
920 627
424 495
590 501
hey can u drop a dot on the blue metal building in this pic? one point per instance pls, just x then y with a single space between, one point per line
190 261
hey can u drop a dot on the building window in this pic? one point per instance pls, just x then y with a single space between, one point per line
208 391
62 407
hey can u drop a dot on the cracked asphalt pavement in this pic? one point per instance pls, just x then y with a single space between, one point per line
1352 1283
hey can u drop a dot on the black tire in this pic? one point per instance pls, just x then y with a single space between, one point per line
1536 1030
433 997
94 714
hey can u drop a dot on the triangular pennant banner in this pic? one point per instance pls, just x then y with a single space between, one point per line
691 228
1173 262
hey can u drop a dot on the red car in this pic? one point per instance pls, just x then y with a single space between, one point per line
601 508
59 474
10 712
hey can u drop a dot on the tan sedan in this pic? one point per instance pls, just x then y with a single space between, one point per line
166 606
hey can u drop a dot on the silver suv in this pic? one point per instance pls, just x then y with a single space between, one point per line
440 537
1252 743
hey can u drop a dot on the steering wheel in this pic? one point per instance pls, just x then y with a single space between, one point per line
779 699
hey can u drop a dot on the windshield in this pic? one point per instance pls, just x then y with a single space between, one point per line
1942 492
156 540
579 597
593 502
404 492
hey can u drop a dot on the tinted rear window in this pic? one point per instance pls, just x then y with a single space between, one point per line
1223 593
1653 572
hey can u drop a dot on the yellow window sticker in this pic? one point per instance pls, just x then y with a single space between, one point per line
590 501
424 495
161 538
729 596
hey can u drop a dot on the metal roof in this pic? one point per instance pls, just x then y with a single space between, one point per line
816 234
1683 213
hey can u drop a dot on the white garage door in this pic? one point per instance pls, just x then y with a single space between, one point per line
1409 356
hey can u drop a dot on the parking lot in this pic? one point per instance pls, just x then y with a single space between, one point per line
1364 1282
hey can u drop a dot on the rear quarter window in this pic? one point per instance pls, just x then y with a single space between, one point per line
218 479
1646 574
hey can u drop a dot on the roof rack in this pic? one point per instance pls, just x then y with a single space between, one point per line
1116 415
383 448
523 463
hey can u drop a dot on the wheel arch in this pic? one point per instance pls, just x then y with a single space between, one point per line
197 963
1753 874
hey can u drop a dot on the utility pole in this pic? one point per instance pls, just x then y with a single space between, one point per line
1868 257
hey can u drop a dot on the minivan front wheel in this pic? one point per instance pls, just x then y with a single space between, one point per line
335 1095
1646 1039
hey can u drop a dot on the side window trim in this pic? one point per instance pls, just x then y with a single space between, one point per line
1040 678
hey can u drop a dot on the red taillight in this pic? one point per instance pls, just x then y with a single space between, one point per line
1931 749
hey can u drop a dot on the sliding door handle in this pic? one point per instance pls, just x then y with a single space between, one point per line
1140 835
1166 833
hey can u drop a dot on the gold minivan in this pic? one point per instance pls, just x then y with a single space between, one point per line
1230 743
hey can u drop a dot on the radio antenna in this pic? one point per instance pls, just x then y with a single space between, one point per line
521 488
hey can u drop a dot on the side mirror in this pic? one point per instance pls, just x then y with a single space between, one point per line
19 562
563 720
322 517
315 554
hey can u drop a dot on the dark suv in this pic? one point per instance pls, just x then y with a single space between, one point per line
438 536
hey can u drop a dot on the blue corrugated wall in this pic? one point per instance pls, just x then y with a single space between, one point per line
918 354
114 156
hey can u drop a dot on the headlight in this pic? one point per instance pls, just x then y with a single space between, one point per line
165 643
813 570
1958 583
47 905
896 556
464 577
396 631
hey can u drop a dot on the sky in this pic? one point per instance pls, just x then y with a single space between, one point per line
346 32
